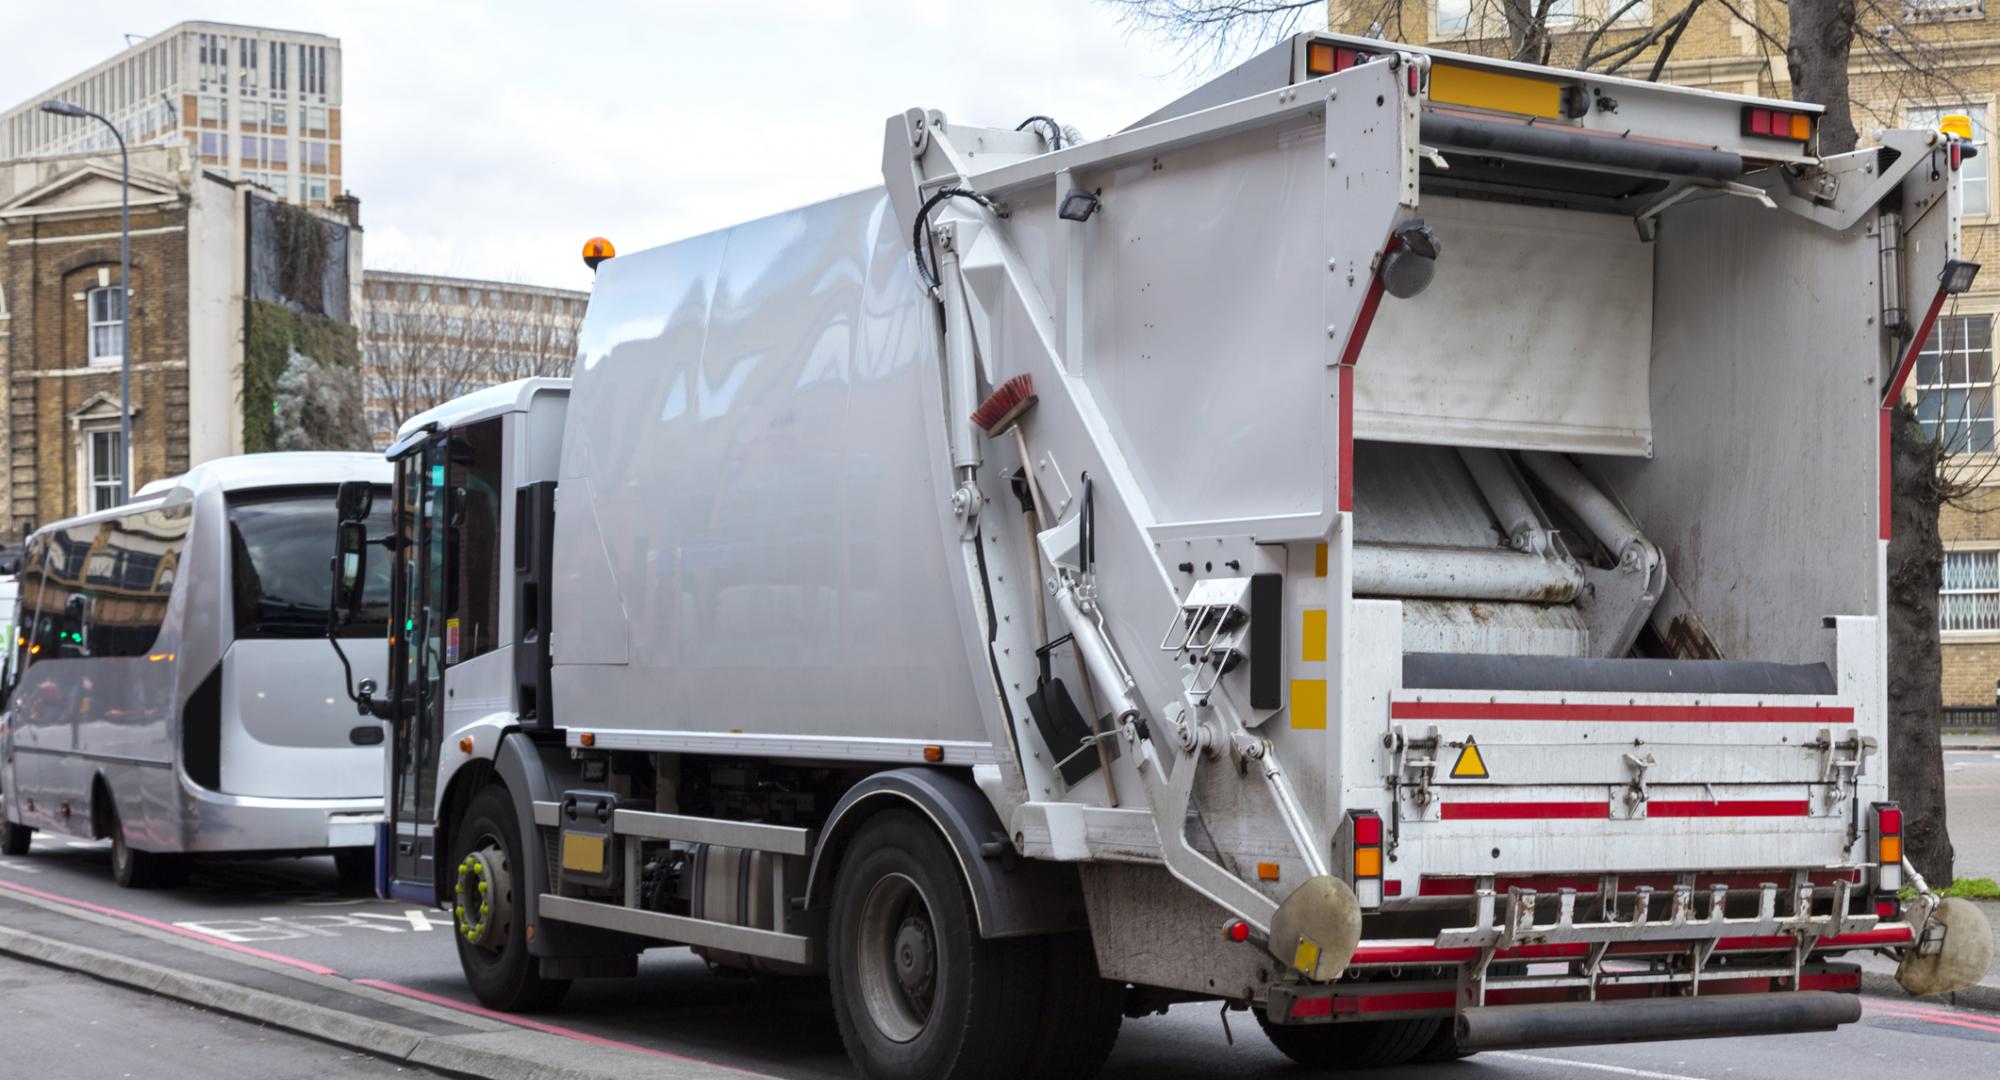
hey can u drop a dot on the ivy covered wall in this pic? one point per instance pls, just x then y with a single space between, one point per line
302 384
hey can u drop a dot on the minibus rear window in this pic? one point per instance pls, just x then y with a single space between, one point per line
280 545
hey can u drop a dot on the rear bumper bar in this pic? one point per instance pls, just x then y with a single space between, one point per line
1507 1027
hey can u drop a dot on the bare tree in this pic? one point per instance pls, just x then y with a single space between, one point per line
423 350
1818 41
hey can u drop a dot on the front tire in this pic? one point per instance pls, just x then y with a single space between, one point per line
1365 1044
918 994
15 839
488 918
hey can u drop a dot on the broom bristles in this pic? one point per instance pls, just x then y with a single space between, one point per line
1005 405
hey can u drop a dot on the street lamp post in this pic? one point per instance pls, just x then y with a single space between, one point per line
70 108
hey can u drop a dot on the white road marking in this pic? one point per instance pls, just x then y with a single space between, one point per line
419 919
290 927
1618 1070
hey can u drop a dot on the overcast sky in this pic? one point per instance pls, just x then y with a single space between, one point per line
492 139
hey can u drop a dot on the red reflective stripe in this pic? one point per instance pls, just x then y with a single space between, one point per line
1895 391
1365 319
1831 980
1310 1007
1376 1003
1885 935
1667 808
1523 811
1620 714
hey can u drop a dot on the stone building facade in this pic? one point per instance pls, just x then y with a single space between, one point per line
1934 58
63 339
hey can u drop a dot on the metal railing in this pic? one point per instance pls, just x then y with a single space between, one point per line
1969 716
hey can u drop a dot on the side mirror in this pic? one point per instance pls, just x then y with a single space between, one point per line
354 500
350 571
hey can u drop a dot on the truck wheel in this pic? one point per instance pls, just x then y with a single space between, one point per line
14 839
918 994
1081 1012
487 915
130 868
1367 1044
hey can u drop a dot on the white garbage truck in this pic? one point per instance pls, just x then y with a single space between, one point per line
1393 542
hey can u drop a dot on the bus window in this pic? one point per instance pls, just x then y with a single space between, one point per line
279 546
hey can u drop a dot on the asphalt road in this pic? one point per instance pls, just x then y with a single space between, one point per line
59 1024
785 1027
1972 795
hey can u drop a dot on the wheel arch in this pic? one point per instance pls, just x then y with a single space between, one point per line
1011 896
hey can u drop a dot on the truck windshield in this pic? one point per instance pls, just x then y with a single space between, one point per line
280 545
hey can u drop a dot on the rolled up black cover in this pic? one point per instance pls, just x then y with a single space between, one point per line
1473 671
1555 142
1511 1027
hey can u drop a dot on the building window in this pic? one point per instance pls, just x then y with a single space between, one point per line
105 468
1955 384
107 325
316 190
277 116
1975 175
210 110
1970 599
1451 17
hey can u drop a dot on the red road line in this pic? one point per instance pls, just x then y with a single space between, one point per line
1620 714
210 939
537 1025
1954 1020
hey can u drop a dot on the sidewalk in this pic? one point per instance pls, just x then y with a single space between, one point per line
1988 739
386 1021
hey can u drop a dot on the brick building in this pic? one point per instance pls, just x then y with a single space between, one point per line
64 338
1937 59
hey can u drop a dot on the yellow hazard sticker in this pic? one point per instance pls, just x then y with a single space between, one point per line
1470 765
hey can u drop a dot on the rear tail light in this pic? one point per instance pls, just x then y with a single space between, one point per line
1886 839
1366 863
1776 123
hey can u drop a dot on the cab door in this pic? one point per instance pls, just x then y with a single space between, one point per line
416 665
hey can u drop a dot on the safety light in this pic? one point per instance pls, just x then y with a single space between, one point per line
1957 124
1366 827
1886 838
1324 58
1957 275
1236 930
1776 123
596 250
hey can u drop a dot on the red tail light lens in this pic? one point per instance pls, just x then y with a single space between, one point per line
1890 820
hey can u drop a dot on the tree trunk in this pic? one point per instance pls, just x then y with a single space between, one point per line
1916 666
1822 38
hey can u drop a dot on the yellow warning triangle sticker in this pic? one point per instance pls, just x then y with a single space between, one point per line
1470 766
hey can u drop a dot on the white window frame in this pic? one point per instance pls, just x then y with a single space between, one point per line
89 485
1924 115
1983 392
92 324
1970 587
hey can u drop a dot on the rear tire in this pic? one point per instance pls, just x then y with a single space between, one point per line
356 867
1081 1012
14 839
130 867
498 966
918 994
1365 1044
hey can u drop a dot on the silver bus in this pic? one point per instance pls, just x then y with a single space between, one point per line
169 687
